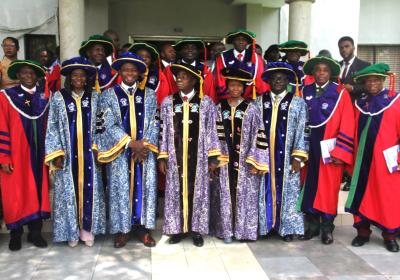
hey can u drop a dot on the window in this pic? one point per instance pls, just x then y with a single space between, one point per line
383 54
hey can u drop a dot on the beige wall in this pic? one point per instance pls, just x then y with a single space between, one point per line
379 22
160 17
264 22
96 17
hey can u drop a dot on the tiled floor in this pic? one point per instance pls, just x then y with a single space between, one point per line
265 259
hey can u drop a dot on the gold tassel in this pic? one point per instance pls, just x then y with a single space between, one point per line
254 90
97 84
297 92
142 84
201 88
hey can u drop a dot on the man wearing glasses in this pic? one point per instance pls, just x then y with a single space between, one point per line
10 47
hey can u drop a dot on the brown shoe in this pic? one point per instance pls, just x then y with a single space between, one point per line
120 240
147 240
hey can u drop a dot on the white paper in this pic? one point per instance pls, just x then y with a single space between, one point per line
326 147
390 155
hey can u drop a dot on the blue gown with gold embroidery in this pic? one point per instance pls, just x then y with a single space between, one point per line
132 186
285 124
78 189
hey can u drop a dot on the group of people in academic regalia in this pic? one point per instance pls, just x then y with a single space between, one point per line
246 148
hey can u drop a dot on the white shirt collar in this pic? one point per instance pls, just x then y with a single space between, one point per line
77 95
235 53
125 87
32 90
280 95
193 63
323 86
165 63
350 62
188 95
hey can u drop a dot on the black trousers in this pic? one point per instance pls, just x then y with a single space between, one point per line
316 223
35 228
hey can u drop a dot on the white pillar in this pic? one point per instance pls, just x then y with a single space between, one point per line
300 19
72 27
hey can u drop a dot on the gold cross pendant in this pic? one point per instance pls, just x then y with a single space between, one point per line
28 103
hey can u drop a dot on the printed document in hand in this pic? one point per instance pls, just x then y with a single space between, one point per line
390 155
326 147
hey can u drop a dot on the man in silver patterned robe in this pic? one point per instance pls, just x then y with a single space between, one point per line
190 153
128 144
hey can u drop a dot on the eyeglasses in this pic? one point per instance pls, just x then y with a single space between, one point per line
8 46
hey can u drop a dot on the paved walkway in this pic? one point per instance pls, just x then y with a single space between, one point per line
265 259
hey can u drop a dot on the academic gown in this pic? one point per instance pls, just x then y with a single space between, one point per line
132 186
285 124
78 189
331 116
188 140
23 119
241 129
374 192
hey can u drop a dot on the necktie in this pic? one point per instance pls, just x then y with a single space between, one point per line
344 74
130 90
240 56
185 98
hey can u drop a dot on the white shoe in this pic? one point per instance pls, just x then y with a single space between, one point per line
73 243
89 243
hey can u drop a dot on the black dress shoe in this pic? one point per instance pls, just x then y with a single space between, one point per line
37 240
327 238
287 238
308 235
391 245
176 238
359 241
198 240
15 244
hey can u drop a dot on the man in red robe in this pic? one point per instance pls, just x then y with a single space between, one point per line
242 56
24 176
375 187
188 51
331 132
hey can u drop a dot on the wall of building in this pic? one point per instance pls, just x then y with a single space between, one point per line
22 17
264 22
379 22
175 17
331 20
96 16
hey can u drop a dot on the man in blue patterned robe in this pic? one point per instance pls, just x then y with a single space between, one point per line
284 115
128 143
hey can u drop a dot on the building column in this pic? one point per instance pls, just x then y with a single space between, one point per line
300 19
71 26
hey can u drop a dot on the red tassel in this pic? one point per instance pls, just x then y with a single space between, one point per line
340 85
392 85
253 55
46 86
